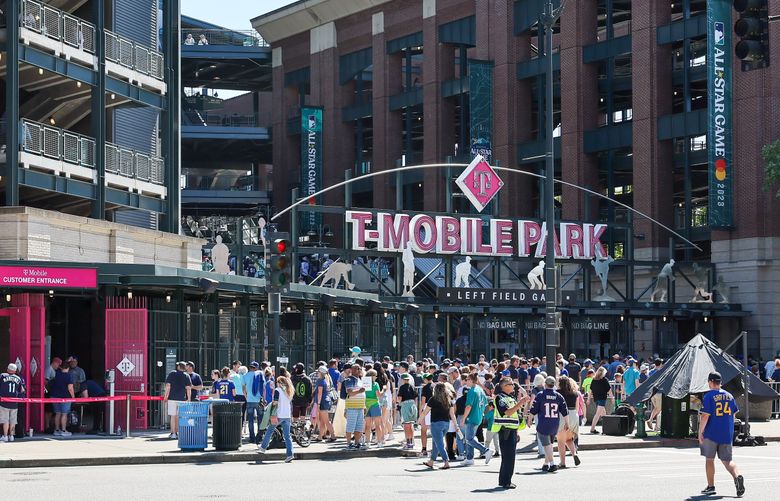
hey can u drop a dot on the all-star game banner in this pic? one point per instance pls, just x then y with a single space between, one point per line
311 164
481 108
719 118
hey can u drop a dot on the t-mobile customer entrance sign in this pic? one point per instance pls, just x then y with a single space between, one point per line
48 278
426 234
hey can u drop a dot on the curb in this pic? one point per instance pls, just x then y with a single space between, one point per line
254 457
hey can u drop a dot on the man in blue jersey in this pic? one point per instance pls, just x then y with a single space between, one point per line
716 433
548 407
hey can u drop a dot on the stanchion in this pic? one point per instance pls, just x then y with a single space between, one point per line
127 418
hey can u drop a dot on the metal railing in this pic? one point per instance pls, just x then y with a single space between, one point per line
776 402
240 38
195 117
57 25
131 55
58 144
134 165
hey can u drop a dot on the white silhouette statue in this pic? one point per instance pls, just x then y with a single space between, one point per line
721 288
602 271
661 286
261 224
219 256
407 258
337 272
700 295
536 277
463 273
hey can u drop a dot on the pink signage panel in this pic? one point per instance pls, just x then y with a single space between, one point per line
49 278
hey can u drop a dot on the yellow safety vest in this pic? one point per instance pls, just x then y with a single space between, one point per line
511 422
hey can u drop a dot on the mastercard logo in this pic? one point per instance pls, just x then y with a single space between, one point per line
720 169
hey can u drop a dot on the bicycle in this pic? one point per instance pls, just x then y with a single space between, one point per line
301 431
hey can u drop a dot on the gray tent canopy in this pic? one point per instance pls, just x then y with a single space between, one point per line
687 370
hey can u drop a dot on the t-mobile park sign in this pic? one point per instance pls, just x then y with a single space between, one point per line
467 236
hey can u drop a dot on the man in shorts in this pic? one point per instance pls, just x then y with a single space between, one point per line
11 386
547 408
355 406
177 389
716 433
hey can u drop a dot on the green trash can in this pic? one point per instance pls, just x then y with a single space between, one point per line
226 435
675 417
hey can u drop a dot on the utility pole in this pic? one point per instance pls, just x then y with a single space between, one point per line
552 323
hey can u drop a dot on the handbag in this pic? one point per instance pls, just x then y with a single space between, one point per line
333 395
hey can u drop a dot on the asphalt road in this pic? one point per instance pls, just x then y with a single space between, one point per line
644 474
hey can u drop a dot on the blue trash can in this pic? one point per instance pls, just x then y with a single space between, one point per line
193 426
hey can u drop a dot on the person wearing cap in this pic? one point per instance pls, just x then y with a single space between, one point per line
587 364
716 433
630 378
573 368
323 403
77 376
252 384
643 374
196 380
407 399
11 386
303 392
506 422
547 409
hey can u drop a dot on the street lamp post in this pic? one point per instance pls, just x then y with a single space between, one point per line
552 328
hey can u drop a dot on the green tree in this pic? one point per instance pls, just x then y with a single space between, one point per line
771 154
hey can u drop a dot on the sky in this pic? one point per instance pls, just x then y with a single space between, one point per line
234 14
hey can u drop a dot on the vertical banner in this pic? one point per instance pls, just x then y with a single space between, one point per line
481 108
719 117
311 165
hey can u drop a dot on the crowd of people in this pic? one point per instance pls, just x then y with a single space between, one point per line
371 396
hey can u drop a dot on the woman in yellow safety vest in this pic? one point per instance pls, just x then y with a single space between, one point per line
506 423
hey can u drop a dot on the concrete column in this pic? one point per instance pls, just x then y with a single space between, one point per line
579 104
286 148
653 159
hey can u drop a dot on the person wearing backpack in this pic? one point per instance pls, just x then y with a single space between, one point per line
253 385
303 392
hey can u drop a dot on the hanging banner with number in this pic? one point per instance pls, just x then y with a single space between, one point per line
719 118
481 108
311 165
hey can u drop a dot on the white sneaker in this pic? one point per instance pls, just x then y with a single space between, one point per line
57 433
260 450
3 438
66 433
489 456
10 438
459 458
468 462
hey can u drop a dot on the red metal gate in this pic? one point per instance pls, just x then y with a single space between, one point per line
27 319
127 332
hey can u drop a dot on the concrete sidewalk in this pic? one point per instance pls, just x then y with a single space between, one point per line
156 448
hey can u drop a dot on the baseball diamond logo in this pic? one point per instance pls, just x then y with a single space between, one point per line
720 34
479 182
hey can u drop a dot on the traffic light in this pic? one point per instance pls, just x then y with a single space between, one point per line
279 263
752 28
